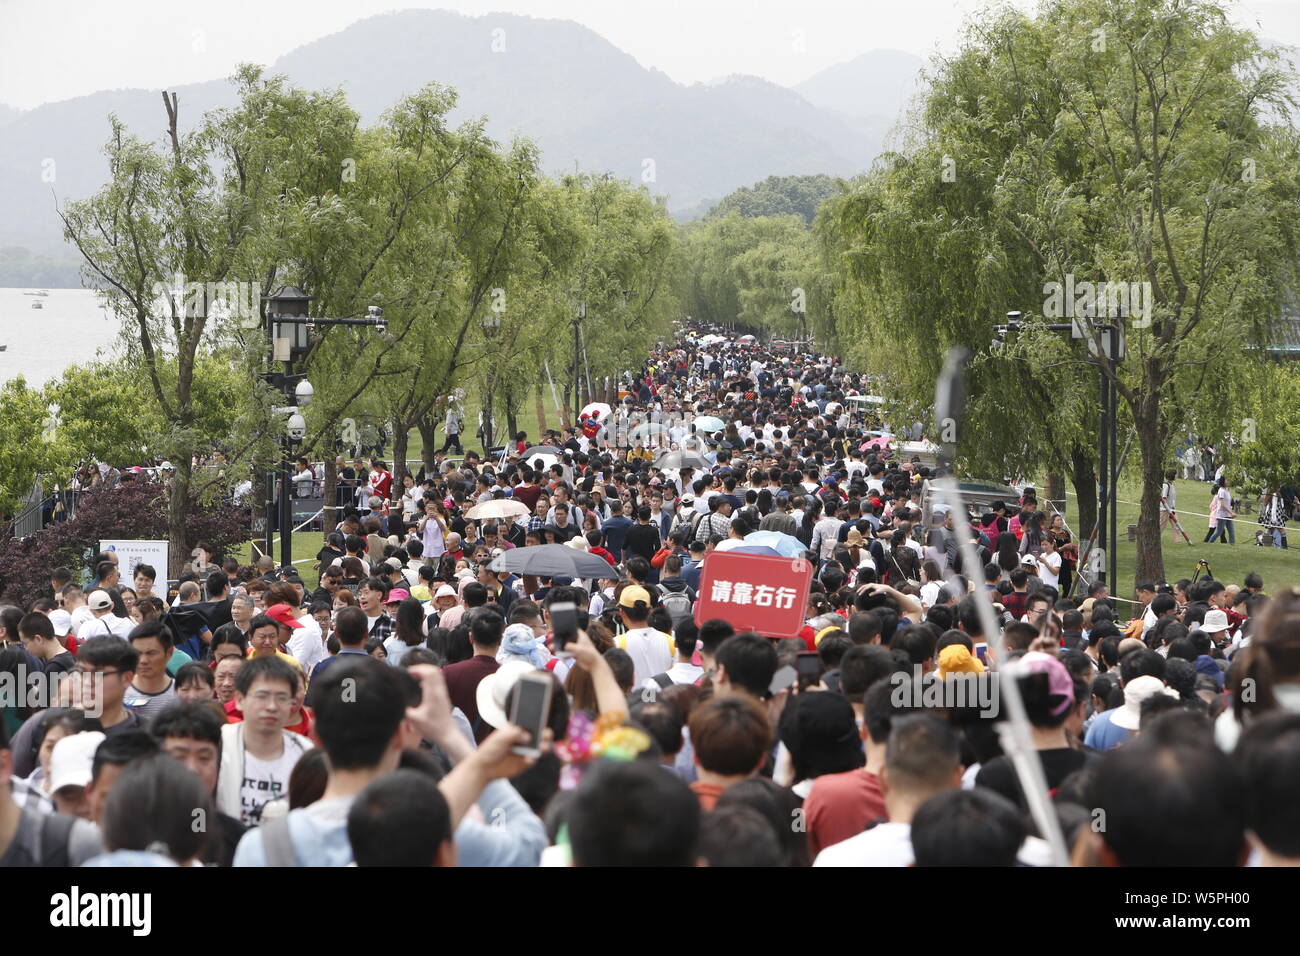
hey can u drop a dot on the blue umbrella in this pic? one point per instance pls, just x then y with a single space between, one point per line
762 549
787 546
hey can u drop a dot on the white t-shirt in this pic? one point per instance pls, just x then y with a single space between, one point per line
303 482
79 617
1049 568
264 781
109 624
1221 505
886 844
307 644
651 652
683 672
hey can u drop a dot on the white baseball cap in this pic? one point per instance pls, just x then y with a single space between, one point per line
99 601
71 759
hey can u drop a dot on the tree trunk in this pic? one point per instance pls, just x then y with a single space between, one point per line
1083 476
486 413
178 508
1150 564
541 411
1054 491
258 496
401 441
512 418
429 436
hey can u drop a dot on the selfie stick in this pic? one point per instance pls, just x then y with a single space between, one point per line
1014 732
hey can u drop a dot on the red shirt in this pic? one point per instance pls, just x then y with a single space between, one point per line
1015 603
528 494
840 806
383 484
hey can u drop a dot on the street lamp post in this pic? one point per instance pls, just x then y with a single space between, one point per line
491 325
289 332
579 313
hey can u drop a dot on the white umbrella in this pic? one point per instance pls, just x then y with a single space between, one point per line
709 423
498 508
594 407
546 460
646 429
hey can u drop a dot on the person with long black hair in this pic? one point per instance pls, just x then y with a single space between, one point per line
409 633
1008 551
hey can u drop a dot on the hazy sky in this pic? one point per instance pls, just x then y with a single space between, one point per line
56 49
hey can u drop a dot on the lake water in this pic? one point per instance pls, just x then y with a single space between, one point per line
42 343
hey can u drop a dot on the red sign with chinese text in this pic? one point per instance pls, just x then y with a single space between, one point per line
755 592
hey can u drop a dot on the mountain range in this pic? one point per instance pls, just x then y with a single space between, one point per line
581 99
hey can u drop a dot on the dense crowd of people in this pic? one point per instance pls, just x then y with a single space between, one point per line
375 718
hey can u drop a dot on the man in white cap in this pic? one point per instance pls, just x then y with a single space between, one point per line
103 620
1122 723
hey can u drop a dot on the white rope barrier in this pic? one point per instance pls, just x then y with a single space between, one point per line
1198 514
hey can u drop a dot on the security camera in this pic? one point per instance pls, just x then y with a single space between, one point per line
305 392
297 427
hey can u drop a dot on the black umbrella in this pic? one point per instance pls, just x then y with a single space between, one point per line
682 459
548 560
542 450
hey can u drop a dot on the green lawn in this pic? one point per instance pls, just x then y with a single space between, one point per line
526 420
1230 563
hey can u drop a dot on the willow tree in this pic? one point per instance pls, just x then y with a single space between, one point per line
191 231
1141 142
622 272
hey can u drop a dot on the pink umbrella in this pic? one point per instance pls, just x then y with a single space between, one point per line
880 442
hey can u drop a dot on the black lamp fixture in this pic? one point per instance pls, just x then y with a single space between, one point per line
290 339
